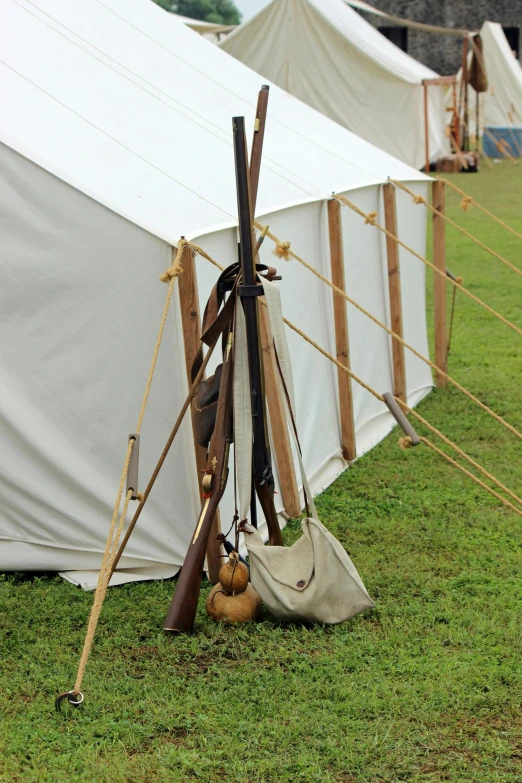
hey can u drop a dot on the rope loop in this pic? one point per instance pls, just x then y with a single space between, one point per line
466 203
405 443
282 250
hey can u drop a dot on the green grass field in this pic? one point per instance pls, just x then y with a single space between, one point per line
425 688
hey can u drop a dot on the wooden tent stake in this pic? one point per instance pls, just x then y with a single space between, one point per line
394 287
439 300
341 331
191 325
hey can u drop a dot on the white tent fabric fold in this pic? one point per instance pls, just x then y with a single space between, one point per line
115 140
326 54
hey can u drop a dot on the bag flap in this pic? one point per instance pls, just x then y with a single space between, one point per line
292 566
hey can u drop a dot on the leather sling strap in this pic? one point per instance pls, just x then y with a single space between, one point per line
215 322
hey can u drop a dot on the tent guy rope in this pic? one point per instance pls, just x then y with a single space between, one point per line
116 530
75 697
403 405
418 199
283 250
371 219
470 201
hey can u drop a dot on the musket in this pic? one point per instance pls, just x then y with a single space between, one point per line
182 611
248 291
183 608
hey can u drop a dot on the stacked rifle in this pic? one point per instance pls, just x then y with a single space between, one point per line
214 399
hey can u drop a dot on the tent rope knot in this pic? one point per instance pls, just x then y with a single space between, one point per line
371 218
282 250
175 270
419 200
466 203
170 273
459 280
405 443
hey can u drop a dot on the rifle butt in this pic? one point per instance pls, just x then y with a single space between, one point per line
184 605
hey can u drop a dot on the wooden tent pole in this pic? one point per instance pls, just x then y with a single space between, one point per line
426 129
394 287
191 326
341 331
439 259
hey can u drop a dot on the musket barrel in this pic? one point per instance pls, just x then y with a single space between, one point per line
263 475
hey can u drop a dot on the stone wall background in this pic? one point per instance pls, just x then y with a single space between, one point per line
443 53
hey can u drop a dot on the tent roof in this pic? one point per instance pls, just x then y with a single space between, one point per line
131 107
360 35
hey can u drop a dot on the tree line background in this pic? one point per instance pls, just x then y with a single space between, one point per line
216 11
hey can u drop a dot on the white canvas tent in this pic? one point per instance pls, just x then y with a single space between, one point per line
326 54
501 104
115 139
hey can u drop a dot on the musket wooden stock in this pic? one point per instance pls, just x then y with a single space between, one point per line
182 611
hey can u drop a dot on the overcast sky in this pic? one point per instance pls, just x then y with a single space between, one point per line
250 7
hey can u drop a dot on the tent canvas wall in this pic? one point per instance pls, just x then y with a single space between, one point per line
115 139
501 104
326 54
